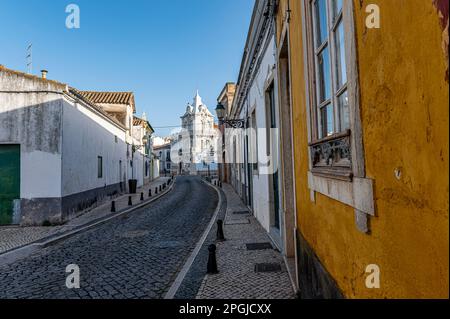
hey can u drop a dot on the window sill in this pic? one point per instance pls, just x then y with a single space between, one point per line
333 173
357 192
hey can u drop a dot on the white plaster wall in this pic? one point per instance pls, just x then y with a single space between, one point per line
156 164
139 169
32 119
256 101
40 175
87 135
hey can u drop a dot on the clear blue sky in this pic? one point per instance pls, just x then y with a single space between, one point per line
161 50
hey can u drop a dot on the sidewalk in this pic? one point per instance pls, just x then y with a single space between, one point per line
237 277
15 236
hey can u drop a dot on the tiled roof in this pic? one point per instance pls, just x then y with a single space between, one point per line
160 147
110 97
74 93
137 121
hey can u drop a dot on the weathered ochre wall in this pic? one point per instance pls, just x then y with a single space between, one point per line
405 120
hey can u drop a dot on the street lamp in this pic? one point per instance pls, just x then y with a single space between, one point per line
220 110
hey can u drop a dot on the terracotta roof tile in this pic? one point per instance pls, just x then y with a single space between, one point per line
141 122
74 93
110 97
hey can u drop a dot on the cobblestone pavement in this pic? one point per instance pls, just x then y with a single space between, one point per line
192 282
137 255
15 237
237 278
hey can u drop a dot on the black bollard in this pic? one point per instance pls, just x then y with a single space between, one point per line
160 187
156 190
130 203
113 207
220 235
142 196
212 262
149 193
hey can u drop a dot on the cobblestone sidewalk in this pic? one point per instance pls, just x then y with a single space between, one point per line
237 278
15 237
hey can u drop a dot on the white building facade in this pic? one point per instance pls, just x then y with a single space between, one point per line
254 152
200 137
60 153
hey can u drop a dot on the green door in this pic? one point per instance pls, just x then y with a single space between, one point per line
9 181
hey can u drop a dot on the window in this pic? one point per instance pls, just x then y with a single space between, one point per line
254 139
100 167
330 107
337 166
275 187
330 66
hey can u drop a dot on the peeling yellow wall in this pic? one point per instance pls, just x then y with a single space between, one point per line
405 121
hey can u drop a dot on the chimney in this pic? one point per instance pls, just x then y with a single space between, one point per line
44 74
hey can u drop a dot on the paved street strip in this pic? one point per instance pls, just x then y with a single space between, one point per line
182 274
136 256
24 251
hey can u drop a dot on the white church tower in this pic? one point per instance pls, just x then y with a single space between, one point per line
199 123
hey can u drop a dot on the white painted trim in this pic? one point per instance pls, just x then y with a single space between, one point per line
357 194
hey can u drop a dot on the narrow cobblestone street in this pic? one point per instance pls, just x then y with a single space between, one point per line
15 237
134 256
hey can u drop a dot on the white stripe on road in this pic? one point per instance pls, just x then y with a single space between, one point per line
182 274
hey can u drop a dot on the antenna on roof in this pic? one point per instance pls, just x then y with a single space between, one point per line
30 58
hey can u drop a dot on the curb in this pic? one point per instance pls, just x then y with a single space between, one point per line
24 251
190 260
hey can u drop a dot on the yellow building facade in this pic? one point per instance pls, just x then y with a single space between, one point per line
372 198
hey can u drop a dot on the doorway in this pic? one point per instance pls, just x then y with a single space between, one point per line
287 158
274 178
9 182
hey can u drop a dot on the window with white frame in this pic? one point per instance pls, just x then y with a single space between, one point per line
337 167
330 109
330 67
254 143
